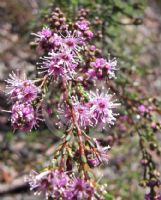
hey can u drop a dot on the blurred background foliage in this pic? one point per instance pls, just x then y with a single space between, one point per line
126 32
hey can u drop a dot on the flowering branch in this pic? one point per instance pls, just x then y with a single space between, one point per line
70 60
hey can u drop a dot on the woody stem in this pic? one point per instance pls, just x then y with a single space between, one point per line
79 132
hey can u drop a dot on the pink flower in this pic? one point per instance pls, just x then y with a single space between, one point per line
89 34
82 25
61 64
53 68
65 58
101 68
93 73
99 63
56 40
50 183
43 40
45 33
39 183
97 157
101 108
73 42
92 47
93 162
142 109
79 189
21 89
81 111
153 125
82 114
23 117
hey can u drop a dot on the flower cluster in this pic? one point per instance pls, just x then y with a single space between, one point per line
23 116
98 111
63 59
21 89
79 189
57 184
22 93
83 25
68 63
101 68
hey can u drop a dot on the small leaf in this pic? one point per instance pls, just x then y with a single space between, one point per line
83 158
108 196
68 137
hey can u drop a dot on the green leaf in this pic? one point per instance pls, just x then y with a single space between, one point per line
83 158
108 196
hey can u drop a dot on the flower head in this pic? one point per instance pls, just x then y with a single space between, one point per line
142 109
60 64
79 189
23 117
56 40
92 47
45 33
21 89
51 183
73 42
93 162
66 58
99 63
89 34
102 68
53 68
97 156
82 114
39 182
101 108
83 25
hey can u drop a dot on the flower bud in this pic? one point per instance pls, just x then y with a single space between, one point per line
143 183
152 146
144 162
